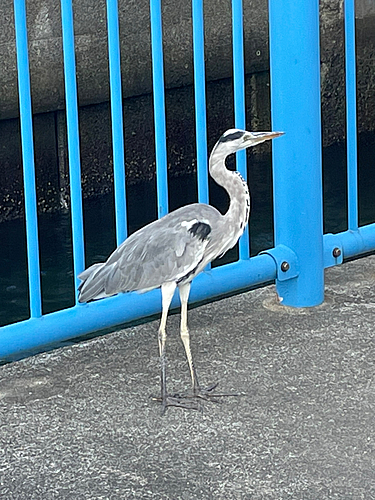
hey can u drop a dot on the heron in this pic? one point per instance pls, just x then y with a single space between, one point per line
169 252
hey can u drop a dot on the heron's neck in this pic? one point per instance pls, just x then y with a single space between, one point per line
239 208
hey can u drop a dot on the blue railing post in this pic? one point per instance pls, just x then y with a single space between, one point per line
239 103
351 114
159 106
71 102
200 100
117 120
295 104
28 159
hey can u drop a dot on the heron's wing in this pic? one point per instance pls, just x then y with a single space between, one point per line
169 249
156 255
87 272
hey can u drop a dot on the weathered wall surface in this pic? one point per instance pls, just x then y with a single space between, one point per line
44 31
333 68
45 48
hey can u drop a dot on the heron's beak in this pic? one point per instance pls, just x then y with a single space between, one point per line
253 138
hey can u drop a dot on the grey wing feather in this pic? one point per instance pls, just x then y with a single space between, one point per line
168 249
86 273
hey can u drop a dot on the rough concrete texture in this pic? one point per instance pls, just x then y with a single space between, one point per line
79 423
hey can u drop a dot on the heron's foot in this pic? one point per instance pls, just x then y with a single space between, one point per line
193 401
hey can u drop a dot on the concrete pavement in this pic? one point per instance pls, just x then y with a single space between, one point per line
79 423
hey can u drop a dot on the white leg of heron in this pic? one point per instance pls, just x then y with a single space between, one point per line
167 291
185 336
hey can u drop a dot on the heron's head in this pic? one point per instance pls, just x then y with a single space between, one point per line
234 140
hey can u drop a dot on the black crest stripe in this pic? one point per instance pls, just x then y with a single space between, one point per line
231 137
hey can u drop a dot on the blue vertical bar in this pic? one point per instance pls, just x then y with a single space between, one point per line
159 106
117 119
351 114
200 100
295 106
239 103
73 137
28 159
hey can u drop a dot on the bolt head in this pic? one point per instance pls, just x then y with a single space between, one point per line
336 252
285 266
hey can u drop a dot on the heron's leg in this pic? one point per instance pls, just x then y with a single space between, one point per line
166 400
206 393
167 291
185 336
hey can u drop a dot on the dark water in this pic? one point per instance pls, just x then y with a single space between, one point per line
55 235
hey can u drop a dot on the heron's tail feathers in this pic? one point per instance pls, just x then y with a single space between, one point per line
87 272
92 286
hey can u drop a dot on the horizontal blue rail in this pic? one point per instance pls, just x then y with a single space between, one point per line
86 318
82 319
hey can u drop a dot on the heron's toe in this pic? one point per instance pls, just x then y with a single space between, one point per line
177 400
208 394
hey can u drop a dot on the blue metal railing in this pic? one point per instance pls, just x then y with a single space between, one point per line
117 121
301 252
28 160
295 99
239 103
71 101
159 106
351 114
200 100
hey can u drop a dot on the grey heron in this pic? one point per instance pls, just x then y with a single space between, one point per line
171 251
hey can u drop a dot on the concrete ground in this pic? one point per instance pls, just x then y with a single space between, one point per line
79 422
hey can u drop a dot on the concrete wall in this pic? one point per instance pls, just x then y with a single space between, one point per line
333 68
44 25
45 48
